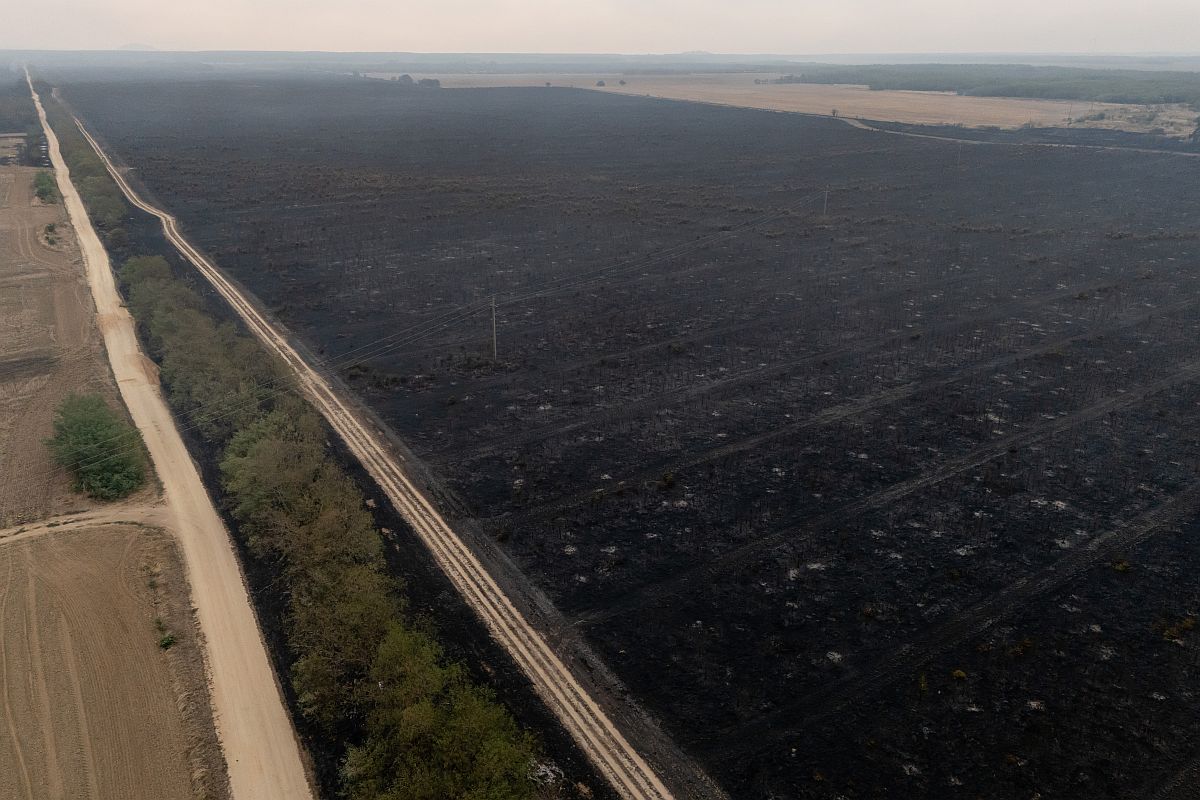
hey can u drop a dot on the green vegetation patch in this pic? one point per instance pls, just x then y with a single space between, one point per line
104 200
44 187
365 673
101 449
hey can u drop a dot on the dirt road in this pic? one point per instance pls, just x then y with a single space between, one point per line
579 713
256 734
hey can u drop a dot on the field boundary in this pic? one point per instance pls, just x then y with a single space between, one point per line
560 688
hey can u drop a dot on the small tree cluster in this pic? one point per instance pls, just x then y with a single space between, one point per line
102 450
44 187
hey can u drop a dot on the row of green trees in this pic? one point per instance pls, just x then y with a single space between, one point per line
416 726
103 198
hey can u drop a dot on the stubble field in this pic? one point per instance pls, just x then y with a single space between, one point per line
896 497
91 703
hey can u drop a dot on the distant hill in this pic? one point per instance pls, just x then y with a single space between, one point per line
138 46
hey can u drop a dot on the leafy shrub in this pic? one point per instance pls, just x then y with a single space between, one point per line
44 187
101 449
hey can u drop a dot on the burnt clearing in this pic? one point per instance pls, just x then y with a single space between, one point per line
893 499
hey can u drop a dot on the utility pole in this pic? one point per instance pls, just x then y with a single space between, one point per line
494 357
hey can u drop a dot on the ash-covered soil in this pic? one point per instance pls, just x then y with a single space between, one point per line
892 498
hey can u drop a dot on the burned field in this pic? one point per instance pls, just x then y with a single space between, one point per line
892 497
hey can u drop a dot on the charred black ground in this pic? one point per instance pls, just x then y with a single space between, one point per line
890 500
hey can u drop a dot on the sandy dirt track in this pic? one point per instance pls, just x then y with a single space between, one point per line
257 737
580 714
90 709
919 108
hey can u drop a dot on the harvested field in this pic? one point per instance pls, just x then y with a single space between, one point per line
49 348
919 108
93 705
893 496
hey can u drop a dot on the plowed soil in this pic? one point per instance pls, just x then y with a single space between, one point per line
89 698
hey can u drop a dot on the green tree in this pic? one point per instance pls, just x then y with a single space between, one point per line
102 450
44 187
433 735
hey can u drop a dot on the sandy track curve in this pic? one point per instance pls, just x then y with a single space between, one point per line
579 713
256 734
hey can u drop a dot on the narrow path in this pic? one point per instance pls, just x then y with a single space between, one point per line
580 714
256 735
157 515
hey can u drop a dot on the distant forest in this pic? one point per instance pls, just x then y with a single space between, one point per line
1007 80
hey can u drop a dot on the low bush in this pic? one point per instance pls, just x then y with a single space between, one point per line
102 450
44 187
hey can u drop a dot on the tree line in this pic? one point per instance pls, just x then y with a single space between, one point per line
101 195
1015 80
365 672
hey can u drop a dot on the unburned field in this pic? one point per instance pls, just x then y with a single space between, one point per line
896 496
755 90
92 703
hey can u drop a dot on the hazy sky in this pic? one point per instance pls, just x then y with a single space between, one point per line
611 26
